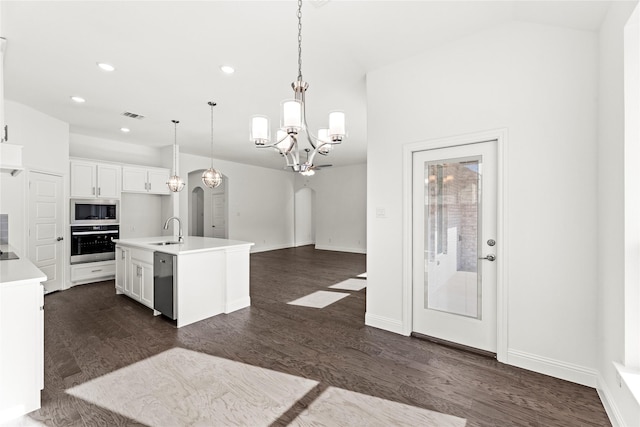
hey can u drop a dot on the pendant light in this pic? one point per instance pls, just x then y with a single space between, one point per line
175 183
211 177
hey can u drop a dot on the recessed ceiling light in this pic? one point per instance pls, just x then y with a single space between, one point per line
77 99
105 67
125 130
227 69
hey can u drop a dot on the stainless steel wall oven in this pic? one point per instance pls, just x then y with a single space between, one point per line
91 243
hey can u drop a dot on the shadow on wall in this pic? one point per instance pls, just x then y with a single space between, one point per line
208 208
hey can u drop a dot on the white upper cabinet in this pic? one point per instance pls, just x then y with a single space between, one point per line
95 180
145 180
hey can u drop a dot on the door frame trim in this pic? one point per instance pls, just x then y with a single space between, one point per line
502 289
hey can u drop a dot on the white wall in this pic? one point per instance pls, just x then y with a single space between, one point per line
539 82
142 215
260 202
46 147
89 147
618 401
340 206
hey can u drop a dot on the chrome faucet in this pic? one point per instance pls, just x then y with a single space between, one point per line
166 227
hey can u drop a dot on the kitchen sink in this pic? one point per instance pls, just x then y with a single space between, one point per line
169 242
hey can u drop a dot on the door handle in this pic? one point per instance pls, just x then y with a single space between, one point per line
60 238
490 257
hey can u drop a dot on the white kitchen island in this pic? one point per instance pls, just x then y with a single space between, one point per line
211 277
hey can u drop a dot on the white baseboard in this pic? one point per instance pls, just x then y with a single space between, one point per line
609 403
237 304
391 325
341 249
555 368
265 248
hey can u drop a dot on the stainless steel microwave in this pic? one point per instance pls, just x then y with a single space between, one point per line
94 211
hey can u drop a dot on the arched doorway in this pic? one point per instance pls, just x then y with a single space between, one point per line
196 224
208 217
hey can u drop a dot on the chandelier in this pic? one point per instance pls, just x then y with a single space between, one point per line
175 183
211 177
293 123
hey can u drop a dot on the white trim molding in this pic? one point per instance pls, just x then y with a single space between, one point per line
552 367
341 249
386 323
499 135
609 403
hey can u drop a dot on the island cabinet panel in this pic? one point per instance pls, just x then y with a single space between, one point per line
237 280
122 261
202 296
134 274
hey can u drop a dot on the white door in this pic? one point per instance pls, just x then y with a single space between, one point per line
46 227
454 244
218 216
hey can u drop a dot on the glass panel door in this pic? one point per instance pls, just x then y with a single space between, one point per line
451 214
454 231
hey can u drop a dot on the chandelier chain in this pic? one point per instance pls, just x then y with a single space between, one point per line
175 142
300 40
212 104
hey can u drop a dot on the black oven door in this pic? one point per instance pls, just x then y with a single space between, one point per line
91 243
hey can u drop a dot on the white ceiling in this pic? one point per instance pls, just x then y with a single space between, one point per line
167 56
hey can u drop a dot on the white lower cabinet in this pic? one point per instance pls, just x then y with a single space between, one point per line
134 274
122 261
92 272
22 350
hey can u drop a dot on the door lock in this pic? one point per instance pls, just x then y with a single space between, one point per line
491 242
59 238
490 257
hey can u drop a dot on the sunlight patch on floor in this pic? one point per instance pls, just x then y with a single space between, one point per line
351 285
340 407
319 299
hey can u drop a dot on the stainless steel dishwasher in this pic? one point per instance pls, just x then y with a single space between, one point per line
164 284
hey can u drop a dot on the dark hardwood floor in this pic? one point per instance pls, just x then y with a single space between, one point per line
90 331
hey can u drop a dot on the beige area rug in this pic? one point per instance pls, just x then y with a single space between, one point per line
338 407
185 388
181 387
351 285
319 299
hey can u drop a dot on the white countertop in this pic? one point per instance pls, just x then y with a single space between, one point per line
191 244
18 271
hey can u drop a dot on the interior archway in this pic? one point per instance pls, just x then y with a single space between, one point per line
213 212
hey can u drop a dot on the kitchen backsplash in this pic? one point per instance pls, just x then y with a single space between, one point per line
4 229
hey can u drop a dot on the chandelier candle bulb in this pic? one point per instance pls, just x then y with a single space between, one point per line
336 124
291 114
260 129
285 141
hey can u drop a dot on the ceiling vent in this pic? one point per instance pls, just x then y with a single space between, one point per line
133 115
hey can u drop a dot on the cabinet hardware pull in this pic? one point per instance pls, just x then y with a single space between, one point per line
98 191
42 308
93 191
95 271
